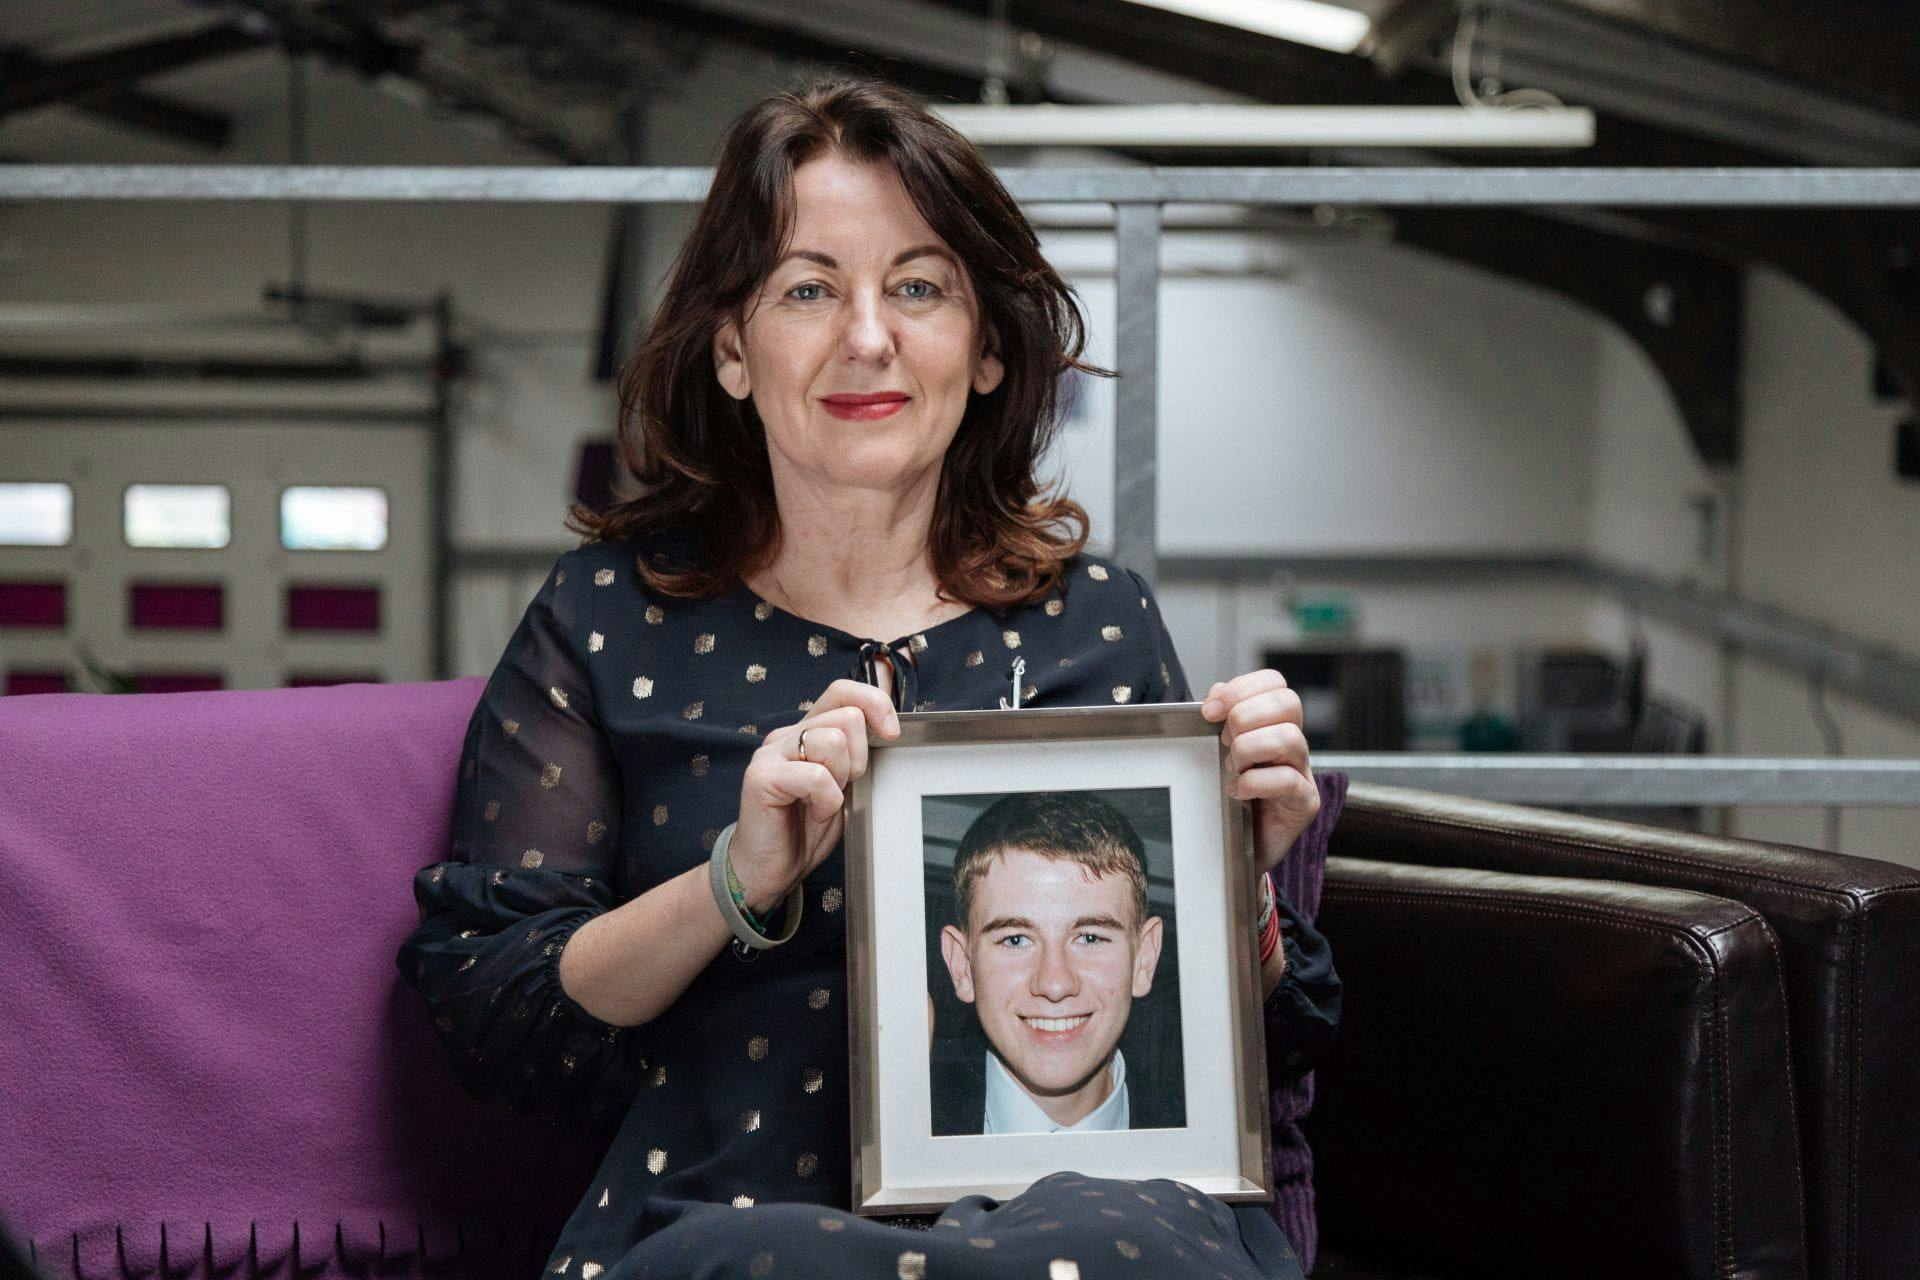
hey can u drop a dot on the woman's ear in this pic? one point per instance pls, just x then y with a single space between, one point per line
729 364
988 369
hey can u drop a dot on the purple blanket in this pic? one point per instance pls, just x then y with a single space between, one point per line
205 1048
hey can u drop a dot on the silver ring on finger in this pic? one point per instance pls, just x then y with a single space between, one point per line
803 744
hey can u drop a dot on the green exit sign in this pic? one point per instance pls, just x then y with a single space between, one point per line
1325 615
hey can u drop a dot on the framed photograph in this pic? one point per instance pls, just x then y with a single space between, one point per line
1051 954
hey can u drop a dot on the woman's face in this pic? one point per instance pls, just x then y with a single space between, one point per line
867 300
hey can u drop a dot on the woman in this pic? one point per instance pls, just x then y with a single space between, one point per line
833 424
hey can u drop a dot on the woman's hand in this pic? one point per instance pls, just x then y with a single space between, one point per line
792 811
1267 750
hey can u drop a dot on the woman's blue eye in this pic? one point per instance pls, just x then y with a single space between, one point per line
924 296
797 288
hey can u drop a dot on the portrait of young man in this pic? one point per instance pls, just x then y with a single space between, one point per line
1050 944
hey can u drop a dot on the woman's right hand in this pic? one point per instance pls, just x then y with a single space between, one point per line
792 811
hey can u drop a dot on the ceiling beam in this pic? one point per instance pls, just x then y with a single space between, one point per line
147 112
30 82
1866 51
795 44
359 43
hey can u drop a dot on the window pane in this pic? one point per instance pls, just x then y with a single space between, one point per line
316 518
36 515
311 608
175 606
178 515
30 603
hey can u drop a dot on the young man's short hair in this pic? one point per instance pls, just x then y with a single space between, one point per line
1073 825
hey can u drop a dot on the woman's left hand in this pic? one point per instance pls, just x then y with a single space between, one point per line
1267 752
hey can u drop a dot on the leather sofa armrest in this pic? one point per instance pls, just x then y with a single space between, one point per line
1849 932
1558 1077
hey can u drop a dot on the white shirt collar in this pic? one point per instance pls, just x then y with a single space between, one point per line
1011 1110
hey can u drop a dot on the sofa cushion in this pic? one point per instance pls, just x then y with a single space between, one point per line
1850 933
1541 1076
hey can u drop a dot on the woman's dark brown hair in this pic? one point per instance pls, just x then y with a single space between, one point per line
699 457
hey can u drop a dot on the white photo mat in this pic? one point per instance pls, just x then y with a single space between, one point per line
903 1165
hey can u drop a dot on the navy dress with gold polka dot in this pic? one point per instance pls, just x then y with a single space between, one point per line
604 757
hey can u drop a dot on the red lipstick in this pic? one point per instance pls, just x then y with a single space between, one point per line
864 406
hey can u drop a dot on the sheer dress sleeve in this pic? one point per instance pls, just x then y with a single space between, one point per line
536 834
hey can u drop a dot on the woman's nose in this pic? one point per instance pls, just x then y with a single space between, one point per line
866 333
1054 978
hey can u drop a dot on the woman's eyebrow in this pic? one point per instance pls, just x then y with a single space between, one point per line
826 260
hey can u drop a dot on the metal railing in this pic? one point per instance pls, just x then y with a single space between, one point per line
1138 196
1641 780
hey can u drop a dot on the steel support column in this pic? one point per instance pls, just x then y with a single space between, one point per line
1136 298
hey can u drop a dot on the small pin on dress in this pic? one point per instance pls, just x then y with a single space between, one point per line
1019 669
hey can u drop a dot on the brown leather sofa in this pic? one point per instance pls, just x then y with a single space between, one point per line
1574 1047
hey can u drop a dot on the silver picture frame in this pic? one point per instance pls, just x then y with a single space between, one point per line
896 1168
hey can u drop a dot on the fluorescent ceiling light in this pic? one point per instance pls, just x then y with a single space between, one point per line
1220 125
1325 26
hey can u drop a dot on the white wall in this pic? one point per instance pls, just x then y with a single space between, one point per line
1820 528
